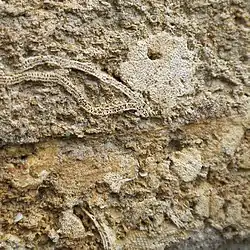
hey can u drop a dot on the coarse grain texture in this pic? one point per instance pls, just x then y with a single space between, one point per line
124 124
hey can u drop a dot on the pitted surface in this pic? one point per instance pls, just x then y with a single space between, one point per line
124 124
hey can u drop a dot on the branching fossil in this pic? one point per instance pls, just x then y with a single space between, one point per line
104 236
23 74
71 89
87 68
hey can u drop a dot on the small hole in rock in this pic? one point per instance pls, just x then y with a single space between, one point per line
24 157
153 54
240 20
175 144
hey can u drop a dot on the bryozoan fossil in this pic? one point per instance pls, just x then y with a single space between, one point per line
25 73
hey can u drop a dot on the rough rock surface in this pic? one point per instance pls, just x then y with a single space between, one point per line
124 124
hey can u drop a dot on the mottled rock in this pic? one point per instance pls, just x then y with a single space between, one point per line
124 124
71 225
187 164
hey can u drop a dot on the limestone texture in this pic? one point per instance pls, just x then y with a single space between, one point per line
124 124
